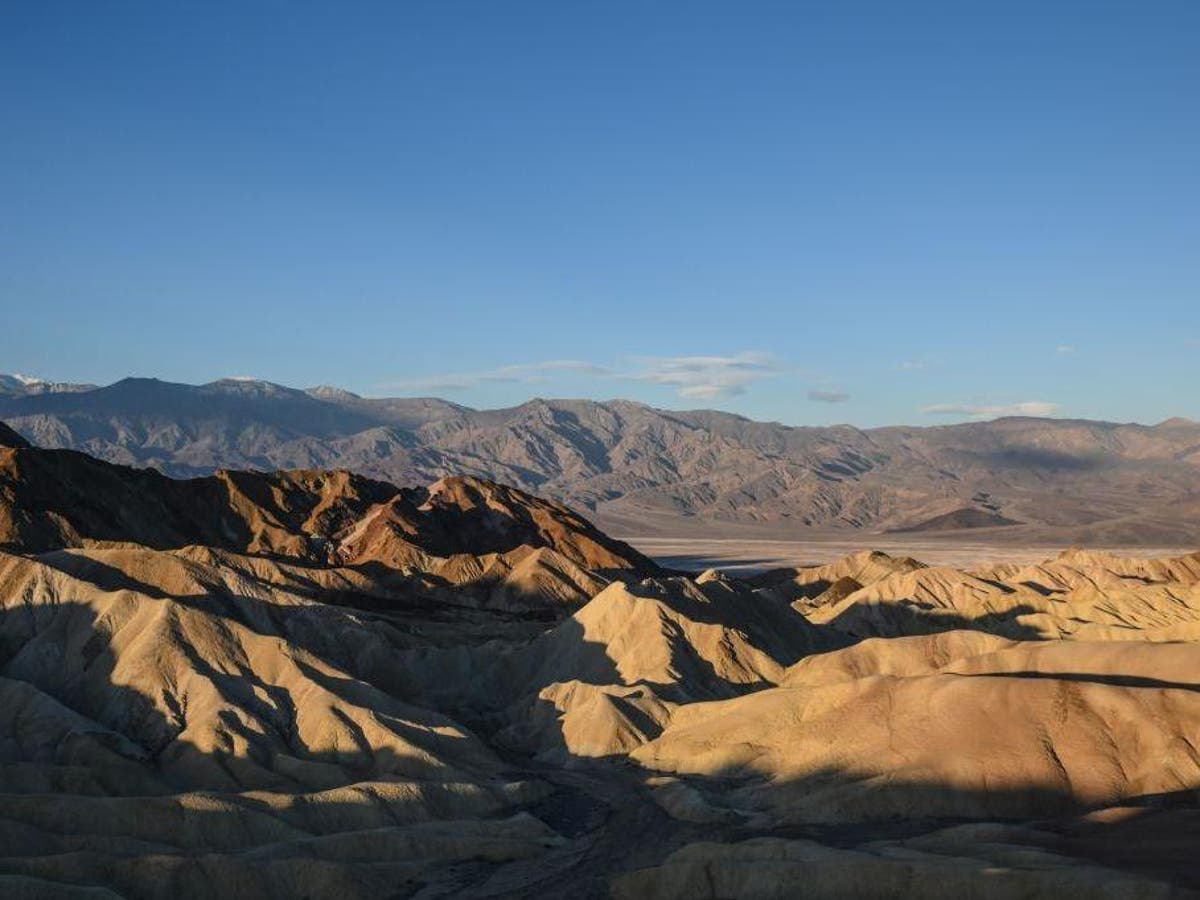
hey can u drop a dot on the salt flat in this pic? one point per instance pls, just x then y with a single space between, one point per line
748 556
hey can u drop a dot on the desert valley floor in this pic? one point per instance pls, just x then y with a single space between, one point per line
314 684
751 556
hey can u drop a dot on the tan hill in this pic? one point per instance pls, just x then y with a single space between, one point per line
464 515
508 546
608 678
692 640
816 586
900 657
310 683
1016 733
1032 481
218 704
1085 596
195 723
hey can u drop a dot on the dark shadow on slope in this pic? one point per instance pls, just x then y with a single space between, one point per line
1155 835
1039 459
1133 681
906 618
1151 836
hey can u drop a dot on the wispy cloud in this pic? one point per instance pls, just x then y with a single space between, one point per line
988 411
912 365
691 377
705 377
1064 349
521 373
828 396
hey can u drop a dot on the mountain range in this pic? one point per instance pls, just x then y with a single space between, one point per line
311 683
639 470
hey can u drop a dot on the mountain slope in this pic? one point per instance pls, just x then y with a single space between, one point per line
1019 479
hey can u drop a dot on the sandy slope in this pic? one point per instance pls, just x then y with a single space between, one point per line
470 692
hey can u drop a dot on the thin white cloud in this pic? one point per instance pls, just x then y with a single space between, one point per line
828 396
912 365
987 411
692 377
521 373
1064 349
706 377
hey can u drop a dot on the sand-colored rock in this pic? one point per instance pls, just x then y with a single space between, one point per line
208 687
811 586
1022 731
462 541
572 719
608 678
692 640
901 657
310 684
151 740
1084 596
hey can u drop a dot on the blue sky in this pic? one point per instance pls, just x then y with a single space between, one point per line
809 212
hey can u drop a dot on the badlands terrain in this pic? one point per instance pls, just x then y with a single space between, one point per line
311 683
640 471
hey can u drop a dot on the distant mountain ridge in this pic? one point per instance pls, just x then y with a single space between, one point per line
18 385
629 465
